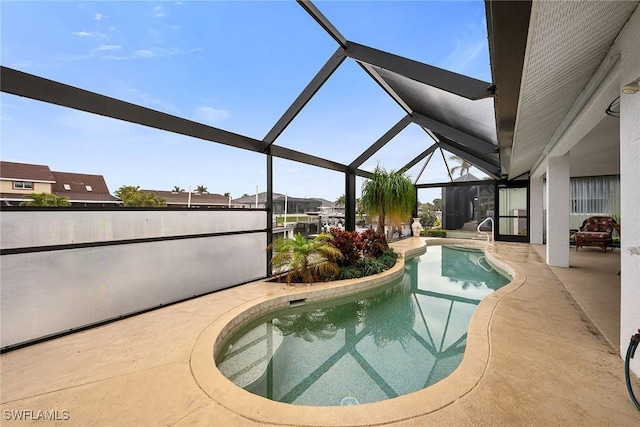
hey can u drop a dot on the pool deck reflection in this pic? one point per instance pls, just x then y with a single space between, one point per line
533 358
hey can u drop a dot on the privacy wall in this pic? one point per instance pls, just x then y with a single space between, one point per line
64 270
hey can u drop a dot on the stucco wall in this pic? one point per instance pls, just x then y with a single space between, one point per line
628 46
38 187
141 260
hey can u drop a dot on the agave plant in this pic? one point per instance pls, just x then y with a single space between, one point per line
305 260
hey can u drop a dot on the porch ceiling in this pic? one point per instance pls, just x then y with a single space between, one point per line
567 43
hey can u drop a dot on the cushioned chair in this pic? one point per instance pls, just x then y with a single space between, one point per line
597 231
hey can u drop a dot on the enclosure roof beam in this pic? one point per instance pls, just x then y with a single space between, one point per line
419 157
488 166
323 21
448 81
300 157
455 184
385 86
388 136
474 143
305 96
30 86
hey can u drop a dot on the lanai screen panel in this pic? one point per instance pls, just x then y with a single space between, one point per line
476 118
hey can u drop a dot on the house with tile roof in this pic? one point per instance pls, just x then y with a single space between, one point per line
186 199
83 189
18 180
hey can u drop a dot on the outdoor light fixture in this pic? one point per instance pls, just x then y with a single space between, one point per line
631 88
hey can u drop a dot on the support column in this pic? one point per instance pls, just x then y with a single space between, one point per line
558 193
350 201
269 208
536 210
629 215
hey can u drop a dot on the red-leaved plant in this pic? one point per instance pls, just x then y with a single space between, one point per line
354 246
375 244
349 243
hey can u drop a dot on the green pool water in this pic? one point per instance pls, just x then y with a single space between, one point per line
374 346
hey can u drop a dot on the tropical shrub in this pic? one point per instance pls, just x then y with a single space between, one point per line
428 218
388 258
350 245
434 232
131 196
374 243
370 266
339 255
349 272
305 260
45 199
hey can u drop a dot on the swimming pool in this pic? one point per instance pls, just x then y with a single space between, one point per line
395 340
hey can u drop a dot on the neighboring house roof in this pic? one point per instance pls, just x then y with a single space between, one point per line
80 187
262 198
251 199
466 177
25 172
197 199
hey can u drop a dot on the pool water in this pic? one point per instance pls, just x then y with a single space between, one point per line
396 340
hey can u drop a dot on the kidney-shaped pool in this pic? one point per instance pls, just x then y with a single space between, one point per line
371 346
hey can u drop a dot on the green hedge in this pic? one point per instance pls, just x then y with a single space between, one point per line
433 233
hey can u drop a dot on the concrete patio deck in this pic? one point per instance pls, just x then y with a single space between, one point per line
533 358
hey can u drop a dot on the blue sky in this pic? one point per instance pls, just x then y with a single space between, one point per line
235 65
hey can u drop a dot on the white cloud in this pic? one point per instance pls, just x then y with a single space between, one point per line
81 33
469 45
109 47
99 16
143 53
116 58
209 115
463 54
159 13
155 52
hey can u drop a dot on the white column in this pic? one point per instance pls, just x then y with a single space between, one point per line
558 211
629 188
629 220
535 216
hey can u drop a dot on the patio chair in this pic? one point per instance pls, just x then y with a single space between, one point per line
597 231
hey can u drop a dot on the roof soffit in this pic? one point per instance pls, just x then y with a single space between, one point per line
554 76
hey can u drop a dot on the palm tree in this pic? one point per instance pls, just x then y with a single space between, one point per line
45 199
55 200
227 195
389 196
341 201
201 189
463 167
304 260
177 189
131 196
35 199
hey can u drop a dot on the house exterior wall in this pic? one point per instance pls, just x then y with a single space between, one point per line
628 47
67 270
6 186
